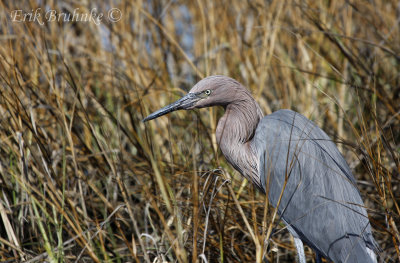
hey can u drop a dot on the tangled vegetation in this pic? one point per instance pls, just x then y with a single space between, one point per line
82 179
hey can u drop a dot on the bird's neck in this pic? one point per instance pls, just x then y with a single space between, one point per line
235 131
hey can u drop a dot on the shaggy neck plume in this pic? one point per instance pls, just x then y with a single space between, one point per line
235 131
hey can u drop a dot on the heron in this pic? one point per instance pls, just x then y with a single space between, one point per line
295 163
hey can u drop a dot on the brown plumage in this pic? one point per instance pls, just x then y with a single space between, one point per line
236 127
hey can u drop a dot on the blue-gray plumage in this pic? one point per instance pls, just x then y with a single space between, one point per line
320 201
289 158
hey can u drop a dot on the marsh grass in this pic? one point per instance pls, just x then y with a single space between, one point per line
82 179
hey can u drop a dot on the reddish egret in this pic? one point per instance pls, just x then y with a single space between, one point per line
289 158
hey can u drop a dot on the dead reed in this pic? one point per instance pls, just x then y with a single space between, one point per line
83 180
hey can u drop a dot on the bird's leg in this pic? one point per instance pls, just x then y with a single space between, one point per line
300 250
318 258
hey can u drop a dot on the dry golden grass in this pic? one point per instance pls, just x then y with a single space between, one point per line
83 180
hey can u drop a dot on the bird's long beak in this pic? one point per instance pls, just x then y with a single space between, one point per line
184 103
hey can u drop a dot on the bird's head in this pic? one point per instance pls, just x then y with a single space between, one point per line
211 91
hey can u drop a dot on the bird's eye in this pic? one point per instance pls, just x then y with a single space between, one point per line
207 92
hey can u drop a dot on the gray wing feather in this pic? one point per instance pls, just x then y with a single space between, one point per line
320 200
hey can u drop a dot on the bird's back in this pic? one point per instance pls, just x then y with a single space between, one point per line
321 201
